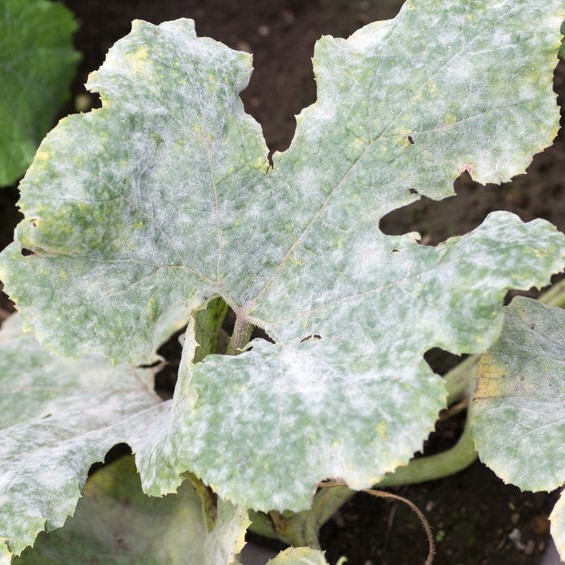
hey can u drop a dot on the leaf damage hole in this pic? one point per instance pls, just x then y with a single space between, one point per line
213 327
119 450
26 252
411 140
315 337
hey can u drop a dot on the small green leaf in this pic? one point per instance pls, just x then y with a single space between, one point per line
37 64
558 525
299 556
519 405
116 523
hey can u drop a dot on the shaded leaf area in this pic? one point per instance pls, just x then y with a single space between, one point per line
115 522
299 556
57 417
170 205
37 64
518 407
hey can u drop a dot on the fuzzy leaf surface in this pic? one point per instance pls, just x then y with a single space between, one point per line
57 417
519 405
557 518
171 203
116 523
37 64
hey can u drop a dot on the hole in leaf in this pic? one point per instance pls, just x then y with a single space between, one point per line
526 196
441 361
214 326
410 140
112 455
26 252
166 377
313 336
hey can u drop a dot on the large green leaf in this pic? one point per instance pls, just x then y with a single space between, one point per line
116 523
37 64
169 203
519 405
57 417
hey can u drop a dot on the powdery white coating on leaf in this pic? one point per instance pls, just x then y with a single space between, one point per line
518 409
116 523
299 556
57 417
169 204
557 518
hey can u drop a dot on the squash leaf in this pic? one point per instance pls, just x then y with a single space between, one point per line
558 525
37 64
518 416
57 416
116 523
172 202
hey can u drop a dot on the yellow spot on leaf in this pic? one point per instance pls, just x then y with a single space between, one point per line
490 382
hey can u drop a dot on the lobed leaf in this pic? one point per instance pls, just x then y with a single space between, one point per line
37 64
518 408
170 203
116 523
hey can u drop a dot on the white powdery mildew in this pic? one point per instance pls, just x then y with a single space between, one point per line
407 104
79 410
518 416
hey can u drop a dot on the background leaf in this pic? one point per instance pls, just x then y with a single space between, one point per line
558 526
57 417
518 408
299 556
37 64
116 523
170 205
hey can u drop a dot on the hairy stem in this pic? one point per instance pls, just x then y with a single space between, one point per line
241 335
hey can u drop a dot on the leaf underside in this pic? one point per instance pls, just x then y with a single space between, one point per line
116 523
37 64
170 203
519 405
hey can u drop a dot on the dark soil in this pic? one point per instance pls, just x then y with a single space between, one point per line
472 513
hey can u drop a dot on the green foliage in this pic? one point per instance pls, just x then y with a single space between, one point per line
37 64
171 207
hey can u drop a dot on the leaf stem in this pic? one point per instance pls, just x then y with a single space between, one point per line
241 335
